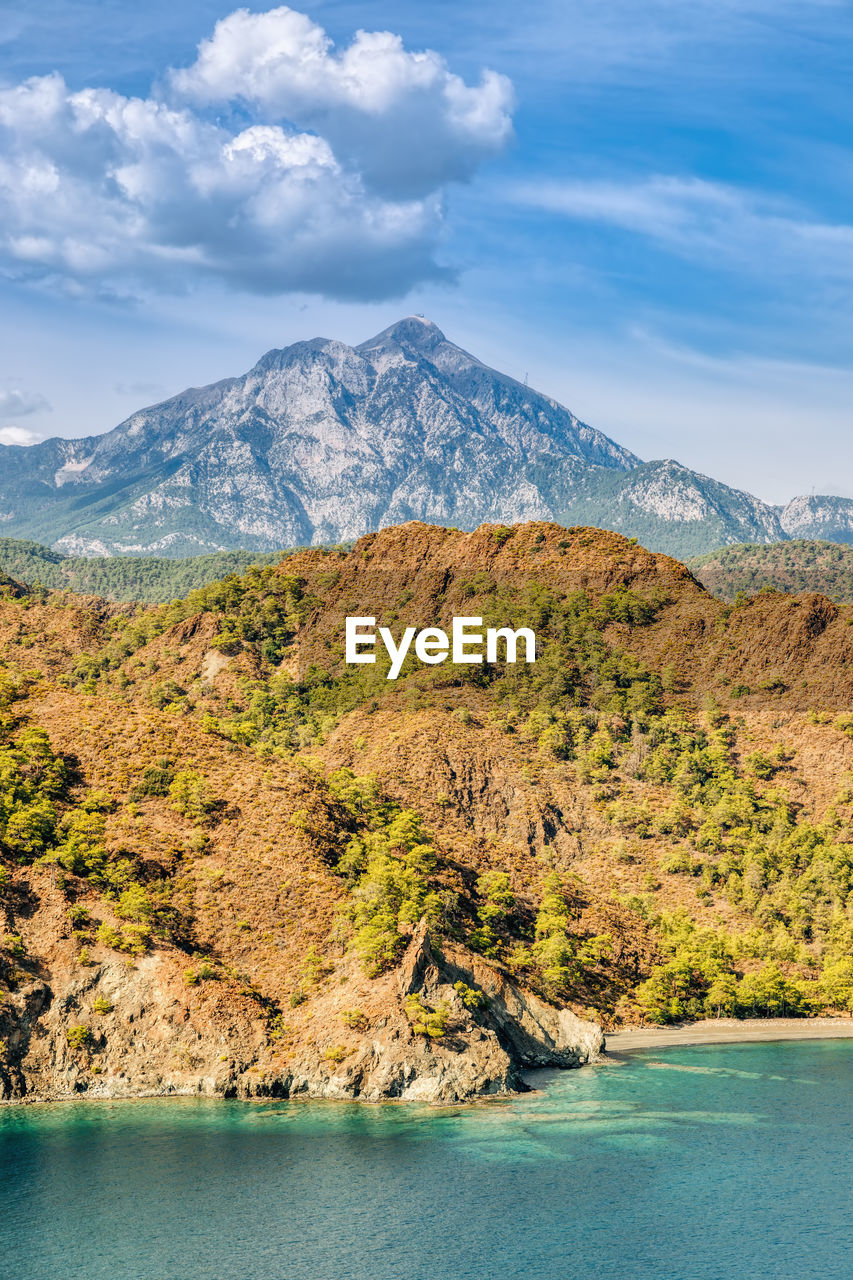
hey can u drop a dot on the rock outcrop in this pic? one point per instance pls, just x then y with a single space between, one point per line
482 1052
147 1036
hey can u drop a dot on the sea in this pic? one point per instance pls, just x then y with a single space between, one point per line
694 1163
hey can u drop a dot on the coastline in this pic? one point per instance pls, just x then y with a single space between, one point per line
618 1044
726 1031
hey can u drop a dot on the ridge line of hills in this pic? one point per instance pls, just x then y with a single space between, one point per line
794 566
321 442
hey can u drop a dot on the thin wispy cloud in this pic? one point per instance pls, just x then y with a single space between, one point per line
332 181
708 221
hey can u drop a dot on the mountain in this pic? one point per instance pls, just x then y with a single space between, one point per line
231 864
827 519
795 566
318 443
322 442
670 508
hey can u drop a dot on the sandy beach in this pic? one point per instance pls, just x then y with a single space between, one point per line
728 1031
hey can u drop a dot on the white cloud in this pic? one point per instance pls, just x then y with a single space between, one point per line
15 403
99 190
18 435
404 120
706 220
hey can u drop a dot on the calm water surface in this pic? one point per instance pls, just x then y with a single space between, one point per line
709 1161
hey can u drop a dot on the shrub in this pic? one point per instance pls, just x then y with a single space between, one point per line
354 1019
109 936
191 796
135 939
760 765
845 724
471 997
498 898
427 1020
78 1037
102 1005
156 781
314 967
134 904
679 861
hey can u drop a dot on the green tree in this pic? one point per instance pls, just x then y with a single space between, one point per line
191 796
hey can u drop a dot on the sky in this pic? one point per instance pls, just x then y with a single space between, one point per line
644 209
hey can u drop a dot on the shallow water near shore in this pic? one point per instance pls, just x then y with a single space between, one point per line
707 1161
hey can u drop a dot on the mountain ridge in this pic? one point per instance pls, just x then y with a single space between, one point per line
320 442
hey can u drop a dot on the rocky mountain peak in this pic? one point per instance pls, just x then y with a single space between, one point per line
323 442
414 334
310 351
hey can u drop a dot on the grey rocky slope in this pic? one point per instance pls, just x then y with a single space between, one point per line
322 442
826 518
318 442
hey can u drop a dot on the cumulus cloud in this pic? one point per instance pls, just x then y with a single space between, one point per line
15 403
404 120
332 183
18 435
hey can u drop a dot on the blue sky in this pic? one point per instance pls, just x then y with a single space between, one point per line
644 208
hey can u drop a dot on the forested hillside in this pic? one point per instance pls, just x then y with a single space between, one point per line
148 579
793 566
333 883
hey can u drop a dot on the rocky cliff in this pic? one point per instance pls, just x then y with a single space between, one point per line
149 1035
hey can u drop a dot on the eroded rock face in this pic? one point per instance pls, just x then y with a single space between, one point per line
154 1040
537 1034
481 1054
149 1041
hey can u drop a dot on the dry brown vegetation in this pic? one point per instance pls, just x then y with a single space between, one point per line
257 938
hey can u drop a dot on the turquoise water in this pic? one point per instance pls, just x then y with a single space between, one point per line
723 1161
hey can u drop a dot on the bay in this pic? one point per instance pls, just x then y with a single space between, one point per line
697 1163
